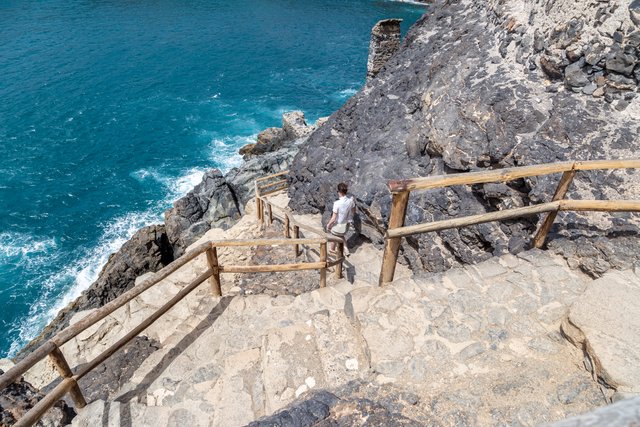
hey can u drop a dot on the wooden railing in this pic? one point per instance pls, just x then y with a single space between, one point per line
267 212
403 188
52 347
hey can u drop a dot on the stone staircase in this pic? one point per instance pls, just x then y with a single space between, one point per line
479 345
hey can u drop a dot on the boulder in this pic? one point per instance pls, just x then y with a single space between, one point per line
212 203
270 139
634 11
605 323
621 63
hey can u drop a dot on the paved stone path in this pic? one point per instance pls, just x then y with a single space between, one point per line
479 345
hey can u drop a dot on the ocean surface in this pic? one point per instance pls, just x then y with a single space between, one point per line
111 110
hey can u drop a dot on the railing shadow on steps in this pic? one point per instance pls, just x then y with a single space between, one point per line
402 189
70 377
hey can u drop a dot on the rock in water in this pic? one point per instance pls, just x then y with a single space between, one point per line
385 42
19 397
460 95
210 204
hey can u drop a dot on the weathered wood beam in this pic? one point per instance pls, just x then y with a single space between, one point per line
561 191
264 178
272 268
392 246
506 174
472 220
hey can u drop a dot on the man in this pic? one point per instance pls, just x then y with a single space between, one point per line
343 210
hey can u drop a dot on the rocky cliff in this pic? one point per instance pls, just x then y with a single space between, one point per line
479 85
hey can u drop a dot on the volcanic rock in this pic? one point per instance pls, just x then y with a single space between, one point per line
211 203
446 103
18 398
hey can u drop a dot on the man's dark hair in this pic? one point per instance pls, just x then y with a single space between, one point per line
342 188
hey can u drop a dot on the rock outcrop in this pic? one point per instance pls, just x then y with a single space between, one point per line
19 397
211 203
605 323
468 91
294 127
385 42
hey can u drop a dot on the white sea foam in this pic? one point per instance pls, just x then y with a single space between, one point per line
224 151
77 275
79 272
345 93
175 187
22 245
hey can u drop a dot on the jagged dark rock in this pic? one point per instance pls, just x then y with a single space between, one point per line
447 103
294 127
19 397
241 179
211 203
268 140
148 250
106 379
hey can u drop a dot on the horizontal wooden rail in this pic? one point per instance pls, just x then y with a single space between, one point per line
264 178
272 268
561 205
401 191
272 184
472 220
506 174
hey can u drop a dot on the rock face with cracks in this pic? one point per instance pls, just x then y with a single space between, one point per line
211 203
470 89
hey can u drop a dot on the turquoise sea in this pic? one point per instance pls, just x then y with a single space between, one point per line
110 110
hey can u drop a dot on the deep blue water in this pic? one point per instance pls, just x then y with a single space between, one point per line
110 110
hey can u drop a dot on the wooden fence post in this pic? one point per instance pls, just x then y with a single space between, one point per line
339 265
392 245
257 196
212 258
63 368
561 191
296 235
270 213
323 259
287 234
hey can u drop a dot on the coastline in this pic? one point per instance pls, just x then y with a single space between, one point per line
226 195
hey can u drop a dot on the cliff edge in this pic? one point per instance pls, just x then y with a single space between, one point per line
481 85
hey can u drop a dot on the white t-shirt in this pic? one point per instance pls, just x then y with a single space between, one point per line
344 208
